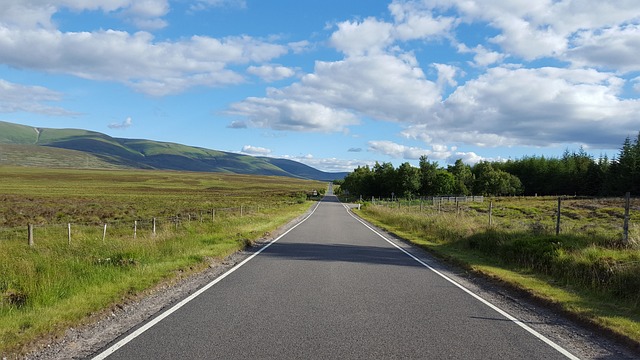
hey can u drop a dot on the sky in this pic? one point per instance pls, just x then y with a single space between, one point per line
333 84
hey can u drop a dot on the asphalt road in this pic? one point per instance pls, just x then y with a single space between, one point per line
332 288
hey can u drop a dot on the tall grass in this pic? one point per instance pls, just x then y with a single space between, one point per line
591 265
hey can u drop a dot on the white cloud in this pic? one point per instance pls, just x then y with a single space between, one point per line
469 158
38 14
636 84
612 48
155 68
370 36
338 93
508 105
414 22
255 150
534 107
17 97
293 115
535 29
127 123
329 164
399 151
446 75
483 57
271 72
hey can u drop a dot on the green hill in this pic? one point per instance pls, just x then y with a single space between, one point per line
28 146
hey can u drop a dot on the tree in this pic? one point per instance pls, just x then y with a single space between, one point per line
359 182
428 173
409 180
463 177
385 180
444 183
490 181
624 174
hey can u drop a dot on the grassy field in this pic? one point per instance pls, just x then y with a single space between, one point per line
56 284
586 270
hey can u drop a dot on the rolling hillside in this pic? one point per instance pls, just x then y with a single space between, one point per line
28 146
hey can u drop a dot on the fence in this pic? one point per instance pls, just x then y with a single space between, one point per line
540 214
30 233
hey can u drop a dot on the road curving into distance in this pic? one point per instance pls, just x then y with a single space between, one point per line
333 287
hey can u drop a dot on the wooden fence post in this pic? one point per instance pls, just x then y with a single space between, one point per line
135 228
104 232
491 213
154 226
558 217
30 234
69 232
625 227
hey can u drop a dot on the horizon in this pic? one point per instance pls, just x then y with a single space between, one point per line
329 84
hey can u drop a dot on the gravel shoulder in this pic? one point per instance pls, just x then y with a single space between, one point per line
103 328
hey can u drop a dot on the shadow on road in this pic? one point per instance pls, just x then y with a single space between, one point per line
340 253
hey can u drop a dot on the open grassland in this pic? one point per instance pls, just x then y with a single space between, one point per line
585 270
57 283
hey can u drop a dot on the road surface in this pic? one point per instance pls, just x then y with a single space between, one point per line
333 288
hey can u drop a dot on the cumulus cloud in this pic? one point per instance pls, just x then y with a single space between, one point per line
127 123
534 29
293 115
370 36
37 14
503 105
535 107
337 94
483 57
329 164
255 150
152 67
399 151
34 99
30 40
237 125
614 48
413 21
271 72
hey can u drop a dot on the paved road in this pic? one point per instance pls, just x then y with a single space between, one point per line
331 288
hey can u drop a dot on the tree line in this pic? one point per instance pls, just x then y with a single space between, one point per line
574 173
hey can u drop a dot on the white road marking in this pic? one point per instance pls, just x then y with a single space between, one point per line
113 348
477 297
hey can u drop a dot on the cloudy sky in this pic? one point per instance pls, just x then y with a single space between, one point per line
331 83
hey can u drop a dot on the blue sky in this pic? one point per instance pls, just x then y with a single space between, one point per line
333 84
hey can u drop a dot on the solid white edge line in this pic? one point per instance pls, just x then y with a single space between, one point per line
477 297
113 348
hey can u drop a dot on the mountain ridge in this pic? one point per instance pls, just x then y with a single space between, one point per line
26 145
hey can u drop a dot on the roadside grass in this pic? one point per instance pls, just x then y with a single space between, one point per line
584 271
55 284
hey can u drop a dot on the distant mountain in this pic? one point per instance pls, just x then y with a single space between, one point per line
29 146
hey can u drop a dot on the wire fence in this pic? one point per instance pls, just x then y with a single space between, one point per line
538 214
139 227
